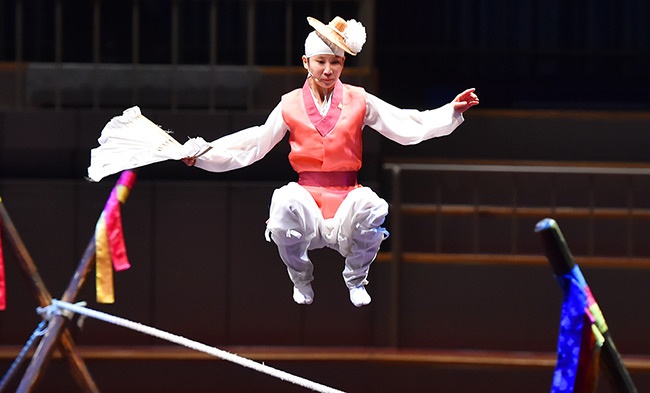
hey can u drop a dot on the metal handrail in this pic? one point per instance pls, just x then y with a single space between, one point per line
400 208
510 207
514 168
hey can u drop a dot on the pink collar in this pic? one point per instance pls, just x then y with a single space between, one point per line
324 124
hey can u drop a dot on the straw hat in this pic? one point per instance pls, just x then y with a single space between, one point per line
348 35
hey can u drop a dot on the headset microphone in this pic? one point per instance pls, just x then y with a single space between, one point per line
310 75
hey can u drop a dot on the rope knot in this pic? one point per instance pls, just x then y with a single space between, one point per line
48 312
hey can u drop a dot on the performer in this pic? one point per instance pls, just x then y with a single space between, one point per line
327 207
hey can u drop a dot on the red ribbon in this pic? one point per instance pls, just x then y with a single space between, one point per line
113 216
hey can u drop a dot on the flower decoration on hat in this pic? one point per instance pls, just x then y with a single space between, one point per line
355 35
350 36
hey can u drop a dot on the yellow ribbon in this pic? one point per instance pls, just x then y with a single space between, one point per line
103 264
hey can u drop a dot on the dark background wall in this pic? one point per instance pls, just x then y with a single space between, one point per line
558 81
519 54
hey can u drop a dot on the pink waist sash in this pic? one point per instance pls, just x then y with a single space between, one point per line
328 179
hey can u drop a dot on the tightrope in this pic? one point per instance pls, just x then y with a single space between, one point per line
194 345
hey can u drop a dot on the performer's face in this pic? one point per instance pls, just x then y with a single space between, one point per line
325 69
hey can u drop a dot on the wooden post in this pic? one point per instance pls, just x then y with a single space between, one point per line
57 333
562 262
43 297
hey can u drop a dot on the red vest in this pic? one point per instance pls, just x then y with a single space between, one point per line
326 150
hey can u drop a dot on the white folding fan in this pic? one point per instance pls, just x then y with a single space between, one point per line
132 141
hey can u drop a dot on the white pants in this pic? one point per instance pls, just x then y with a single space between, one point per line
296 225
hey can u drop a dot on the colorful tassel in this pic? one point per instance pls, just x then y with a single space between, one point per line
110 248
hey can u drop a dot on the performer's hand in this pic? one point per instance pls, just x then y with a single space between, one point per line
189 161
465 100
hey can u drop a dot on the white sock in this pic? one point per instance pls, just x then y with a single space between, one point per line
359 296
303 295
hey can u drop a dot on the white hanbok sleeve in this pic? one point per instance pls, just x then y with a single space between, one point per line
410 126
244 147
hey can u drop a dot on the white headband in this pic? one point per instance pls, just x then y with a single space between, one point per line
314 45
